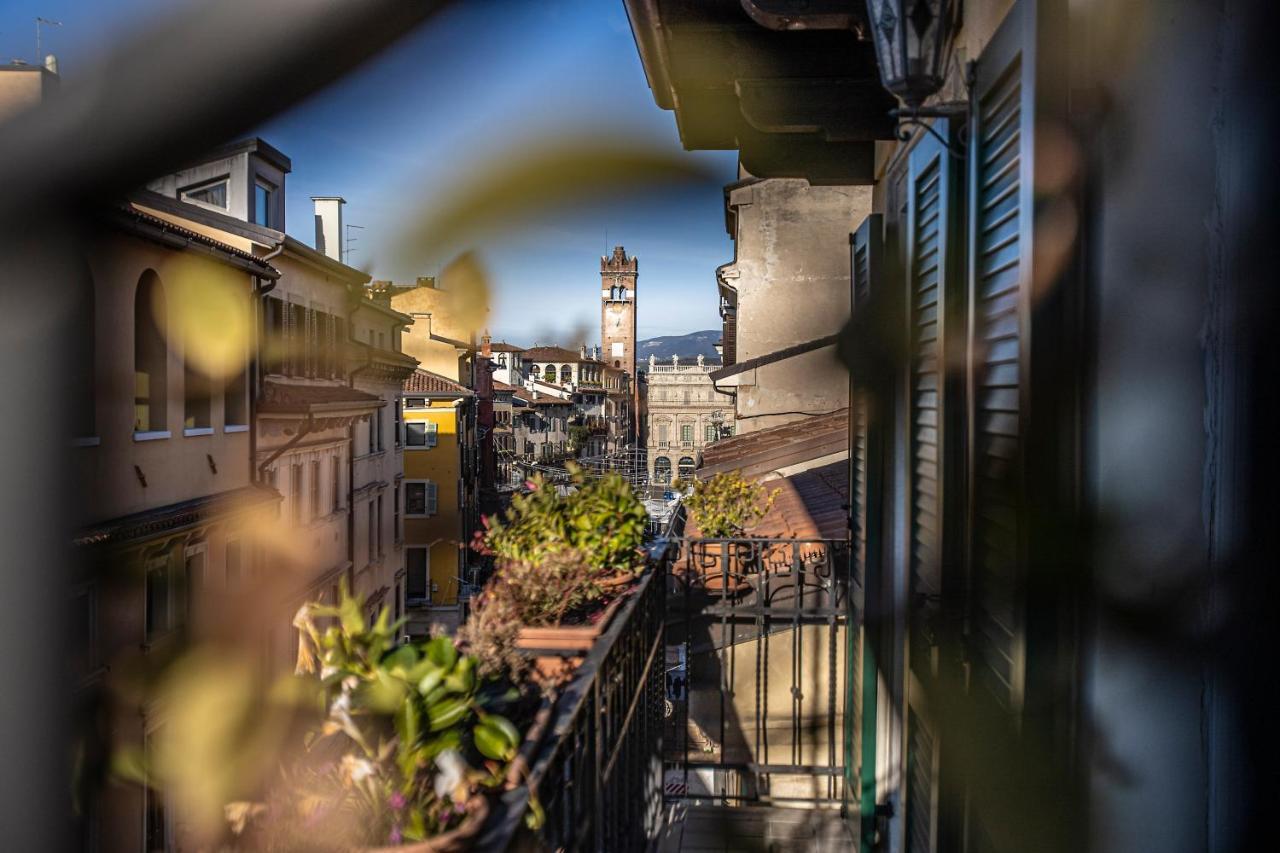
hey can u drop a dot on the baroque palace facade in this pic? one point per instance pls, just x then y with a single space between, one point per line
686 414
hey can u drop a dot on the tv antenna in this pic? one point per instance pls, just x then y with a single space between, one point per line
346 249
39 49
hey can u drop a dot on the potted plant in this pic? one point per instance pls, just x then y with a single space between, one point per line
406 750
564 561
724 507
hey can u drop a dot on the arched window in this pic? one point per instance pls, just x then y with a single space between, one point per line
150 356
686 468
566 374
549 375
662 470
534 372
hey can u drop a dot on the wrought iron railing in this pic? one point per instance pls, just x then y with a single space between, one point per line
756 704
597 774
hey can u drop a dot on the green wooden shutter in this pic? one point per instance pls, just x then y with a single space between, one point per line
866 248
922 790
1000 188
930 287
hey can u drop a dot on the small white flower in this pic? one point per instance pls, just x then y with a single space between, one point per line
357 769
452 771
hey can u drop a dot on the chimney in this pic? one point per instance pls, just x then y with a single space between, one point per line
380 292
425 281
329 225
485 349
582 352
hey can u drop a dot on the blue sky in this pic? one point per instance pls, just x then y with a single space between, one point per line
484 77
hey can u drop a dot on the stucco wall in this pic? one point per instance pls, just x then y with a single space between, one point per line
441 465
179 467
792 277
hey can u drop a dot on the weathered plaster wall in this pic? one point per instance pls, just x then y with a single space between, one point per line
792 277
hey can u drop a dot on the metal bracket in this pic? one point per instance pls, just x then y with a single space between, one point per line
908 116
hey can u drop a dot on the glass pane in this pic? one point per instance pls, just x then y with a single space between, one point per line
261 204
416 574
213 194
415 434
415 499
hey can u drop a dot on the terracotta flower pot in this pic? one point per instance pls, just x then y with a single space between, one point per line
568 638
721 567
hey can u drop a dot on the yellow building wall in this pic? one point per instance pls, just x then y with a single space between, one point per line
435 356
442 465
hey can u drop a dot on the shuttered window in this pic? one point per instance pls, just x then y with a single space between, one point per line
930 286
866 248
1000 241
921 787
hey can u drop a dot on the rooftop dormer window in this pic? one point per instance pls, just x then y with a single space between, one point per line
209 193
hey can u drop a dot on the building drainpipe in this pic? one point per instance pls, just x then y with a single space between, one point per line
255 367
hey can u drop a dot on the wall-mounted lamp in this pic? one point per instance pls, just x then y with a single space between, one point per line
914 40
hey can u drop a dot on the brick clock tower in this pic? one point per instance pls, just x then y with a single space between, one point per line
618 320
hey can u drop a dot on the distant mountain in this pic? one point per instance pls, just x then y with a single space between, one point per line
688 346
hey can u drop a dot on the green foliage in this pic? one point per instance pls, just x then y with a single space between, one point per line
409 734
727 504
578 436
600 518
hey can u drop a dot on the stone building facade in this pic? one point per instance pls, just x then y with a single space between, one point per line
686 413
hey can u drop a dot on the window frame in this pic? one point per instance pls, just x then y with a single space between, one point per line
269 190
408 559
184 193
430 498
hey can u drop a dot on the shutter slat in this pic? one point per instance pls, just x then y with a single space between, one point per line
998 243
928 205
919 772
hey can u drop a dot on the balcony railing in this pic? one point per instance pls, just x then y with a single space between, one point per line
721 681
759 715
597 774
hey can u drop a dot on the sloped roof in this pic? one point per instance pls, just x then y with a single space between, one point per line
425 382
760 453
552 354
503 346
810 503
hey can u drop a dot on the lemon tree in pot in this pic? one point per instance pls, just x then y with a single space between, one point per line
725 506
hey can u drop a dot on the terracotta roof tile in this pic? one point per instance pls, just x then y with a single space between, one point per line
808 505
759 453
425 382
552 354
